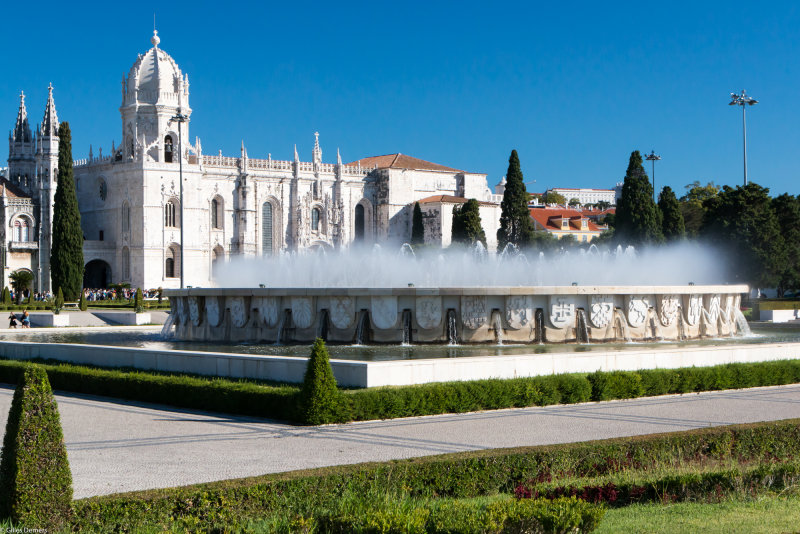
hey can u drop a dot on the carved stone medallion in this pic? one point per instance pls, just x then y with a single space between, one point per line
714 307
196 310
342 311
694 309
268 309
213 314
302 312
562 312
429 312
668 309
637 310
601 310
519 311
238 311
384 312
473 311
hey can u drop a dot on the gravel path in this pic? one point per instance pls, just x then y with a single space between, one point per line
114 446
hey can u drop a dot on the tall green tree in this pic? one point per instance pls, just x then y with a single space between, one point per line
551 197
417 228
638 219
467 226
515 220
691 205
671 217
742 222
66 256
787 210
20 281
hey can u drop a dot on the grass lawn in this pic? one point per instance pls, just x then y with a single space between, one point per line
766 513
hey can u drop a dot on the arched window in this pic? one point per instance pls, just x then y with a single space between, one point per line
171 212
126 263
172 262
126 218
168 149
315 219
266 229
217 213
21 229
359 223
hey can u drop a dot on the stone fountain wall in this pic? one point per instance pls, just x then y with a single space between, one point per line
478 314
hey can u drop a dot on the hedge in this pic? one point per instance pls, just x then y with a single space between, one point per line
311 494
285 402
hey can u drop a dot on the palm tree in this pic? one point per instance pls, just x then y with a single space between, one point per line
20 281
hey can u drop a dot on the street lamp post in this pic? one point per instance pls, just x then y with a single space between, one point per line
653 157
743 100
180 118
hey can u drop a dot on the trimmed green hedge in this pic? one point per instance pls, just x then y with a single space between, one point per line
285 402
296 498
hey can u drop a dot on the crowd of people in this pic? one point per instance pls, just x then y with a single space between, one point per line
112 294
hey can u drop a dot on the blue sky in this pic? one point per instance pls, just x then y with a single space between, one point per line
573 86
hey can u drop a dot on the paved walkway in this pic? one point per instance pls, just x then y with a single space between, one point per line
115 446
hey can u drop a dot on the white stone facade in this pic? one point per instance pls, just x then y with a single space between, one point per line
587 195
129 198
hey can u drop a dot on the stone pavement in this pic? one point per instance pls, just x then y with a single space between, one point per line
79 318
116 446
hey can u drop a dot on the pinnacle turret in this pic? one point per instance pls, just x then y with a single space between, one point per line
317 153
22 130
50 120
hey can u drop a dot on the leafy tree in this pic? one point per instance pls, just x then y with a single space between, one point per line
35 480
66 256
20 281
697 194
638 219
551 197
787 210
467 227
574 202
603 204
320 400
691 205
417 228
742 221
516 225
543 241
671 216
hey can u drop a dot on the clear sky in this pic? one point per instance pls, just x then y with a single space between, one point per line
573 86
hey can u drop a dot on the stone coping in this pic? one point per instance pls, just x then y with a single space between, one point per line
456 291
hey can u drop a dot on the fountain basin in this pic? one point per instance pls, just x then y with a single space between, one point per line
491 314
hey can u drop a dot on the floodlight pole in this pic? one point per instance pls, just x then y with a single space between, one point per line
743 100
653 157
180 118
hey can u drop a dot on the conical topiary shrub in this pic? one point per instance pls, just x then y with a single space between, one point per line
321 401
138 301
6 296
35 480
83 305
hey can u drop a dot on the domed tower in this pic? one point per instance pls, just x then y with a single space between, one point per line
154 91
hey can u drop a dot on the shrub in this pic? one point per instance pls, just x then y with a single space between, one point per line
320 400
6 296
615 385
59 302
35 480
83 305
138 301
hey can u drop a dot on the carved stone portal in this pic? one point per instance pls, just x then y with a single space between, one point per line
268 309
302 312
519 311
342 311
238 311
668 309
429 312
637 310
384 312
473 311
694 309
196 310
212 311
562 312
601 310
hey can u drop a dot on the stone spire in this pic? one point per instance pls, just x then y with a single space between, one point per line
50 120
296 155
317 153
22 130
338 157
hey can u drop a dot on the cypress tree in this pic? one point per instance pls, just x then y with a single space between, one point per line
35 480
638 219
320 400
6 296
467 227
66 257
417 228
671 217
516 226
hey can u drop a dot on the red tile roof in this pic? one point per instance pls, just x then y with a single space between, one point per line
450 199
401 161
12 190
547 218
